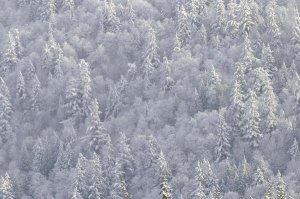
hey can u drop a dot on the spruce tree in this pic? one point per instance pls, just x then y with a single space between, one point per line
223 145
111 22
272 24
6 187
268 60
10 58
21 90
166 190
232 25
85 88
183 29
294 150
281 189
221 17
252 130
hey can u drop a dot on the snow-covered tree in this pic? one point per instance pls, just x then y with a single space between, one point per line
96 185
268 60
10 59
6 187
165 188
111 21
73 104
233 24
294 150
35 89
76 194
223 145
270 192
247 16
259 177
6 112
221 17
281 189
53 57
199 192
64 159
85 88
70 5
198 11
272 24
96 130
248 59
21 90
183 29
252 131
80 181
125 157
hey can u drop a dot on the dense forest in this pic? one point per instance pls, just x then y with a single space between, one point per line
132 99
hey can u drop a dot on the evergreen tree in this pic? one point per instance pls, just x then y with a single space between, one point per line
6 112
21 91
223 145
246 16
35 89
270 105
272 24
248 59
81 177
199 192
6 188
38 156
73 106
76 194
270 192
125 157
118 190
111 22
294 150
268 60
18 48
252 131
96 180
85 88
183 29
64 159
259 177
10 58
233 23
216 193
198 11
166 190
96 130
53 57
221 17
281 188
203 35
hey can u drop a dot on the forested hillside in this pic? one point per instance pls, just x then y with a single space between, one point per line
149 99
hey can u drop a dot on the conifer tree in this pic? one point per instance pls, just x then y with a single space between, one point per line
73 104
6 187
294 150
35 89
19 48
21 91
248 59
259 177
70 5
96 185
166 190
111 22
252 130
198 11
85 88
281 189
223 144
232 25
183 29
125 157
6 112
199 192
80 184
221 17
203 35
247 16
10 58
95 130
76 194
268 60
272 24
270 192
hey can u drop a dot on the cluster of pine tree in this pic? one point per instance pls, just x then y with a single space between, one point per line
166 99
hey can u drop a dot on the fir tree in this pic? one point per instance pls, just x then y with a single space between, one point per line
10 59
221 17
252 131
80 183
281 188
6 187
198 12
165 187
21 91
183 29
111 22
270 192
294 150
199 192
96 186
246 17
268 60
85 86
125 157
223 145
232 19
76 194
272 24
96 130
248 59
70 6
259 177
6 112
35 89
